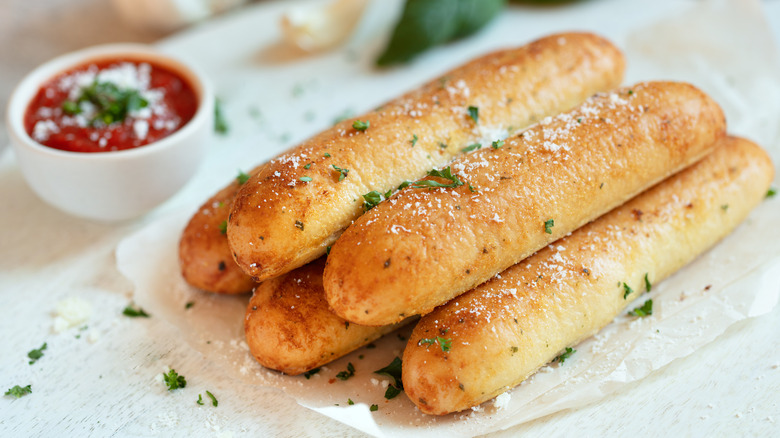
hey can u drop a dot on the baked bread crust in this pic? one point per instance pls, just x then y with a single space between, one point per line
297 206
504 330
426 246
289 327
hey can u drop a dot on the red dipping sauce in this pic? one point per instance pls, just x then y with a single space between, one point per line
110 105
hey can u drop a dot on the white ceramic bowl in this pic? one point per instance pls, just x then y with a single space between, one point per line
119 185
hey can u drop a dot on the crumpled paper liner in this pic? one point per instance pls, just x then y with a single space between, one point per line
737 279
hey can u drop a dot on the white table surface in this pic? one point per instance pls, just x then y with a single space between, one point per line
108 388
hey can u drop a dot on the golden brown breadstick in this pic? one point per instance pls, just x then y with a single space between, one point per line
504 330
425 246
290 212
290 328
204 254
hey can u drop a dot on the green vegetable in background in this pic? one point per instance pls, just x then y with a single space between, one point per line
427 23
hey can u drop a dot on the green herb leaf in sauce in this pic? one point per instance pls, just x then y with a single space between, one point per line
112 104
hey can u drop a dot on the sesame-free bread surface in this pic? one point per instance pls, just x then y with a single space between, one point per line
289 327
504 330
425 246
205 258
289 213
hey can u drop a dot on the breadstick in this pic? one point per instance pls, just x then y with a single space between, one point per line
297 206
425 246
290 328
504 330
204 255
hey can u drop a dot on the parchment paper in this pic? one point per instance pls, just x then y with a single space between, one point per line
721 46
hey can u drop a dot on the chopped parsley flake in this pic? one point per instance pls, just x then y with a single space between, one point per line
444 343
548 226
373 408
305 178
373 198
393 371
626 290
220 124
404 185
242 178
307 166
645 309
771 192
342 172
132 312
344 375
361 125
310 373
223 227
326 155
173 380
497 144
200 400
391 392
565 355
71 108
445 173
474 113
189 304
350 402
214 401
113 104
724 207
472 147
414 139
648 286
36 354
19 391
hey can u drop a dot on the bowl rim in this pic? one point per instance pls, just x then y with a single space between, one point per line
26 89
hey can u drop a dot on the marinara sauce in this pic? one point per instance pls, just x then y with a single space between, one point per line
110 105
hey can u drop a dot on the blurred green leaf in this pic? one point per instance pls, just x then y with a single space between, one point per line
428 23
